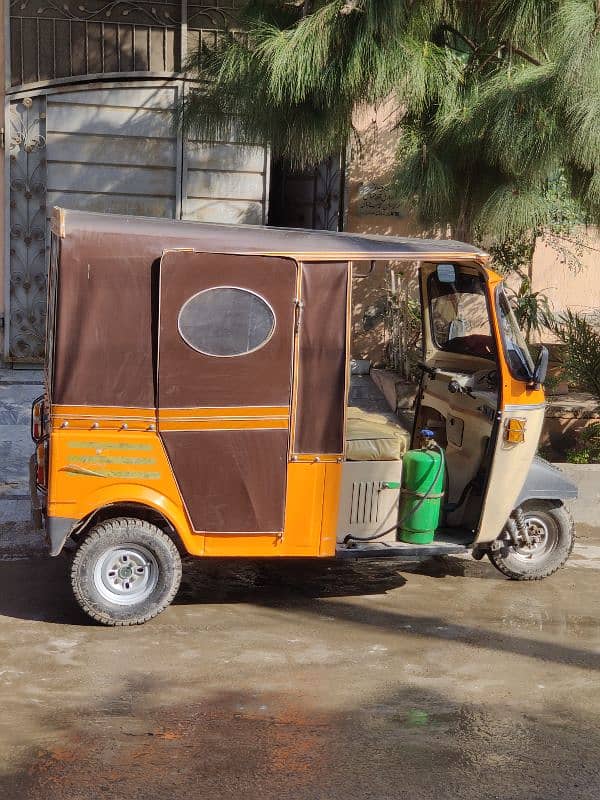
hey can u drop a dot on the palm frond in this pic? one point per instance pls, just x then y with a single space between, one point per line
525 22
512 209
502 99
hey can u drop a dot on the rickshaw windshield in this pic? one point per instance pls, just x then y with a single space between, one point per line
460 320
516 350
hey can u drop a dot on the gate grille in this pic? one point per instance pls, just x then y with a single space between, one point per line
51 40
26 143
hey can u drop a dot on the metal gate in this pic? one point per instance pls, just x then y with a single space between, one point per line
89 124
112 148
311 198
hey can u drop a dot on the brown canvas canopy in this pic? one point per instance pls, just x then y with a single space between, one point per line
105 275
292 242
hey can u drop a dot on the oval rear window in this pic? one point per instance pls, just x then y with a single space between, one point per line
226 321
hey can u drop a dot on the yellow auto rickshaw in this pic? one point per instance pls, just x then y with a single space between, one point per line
197 404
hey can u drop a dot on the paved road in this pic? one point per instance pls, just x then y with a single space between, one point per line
311 680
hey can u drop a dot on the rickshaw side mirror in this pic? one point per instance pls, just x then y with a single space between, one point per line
541 369
446 273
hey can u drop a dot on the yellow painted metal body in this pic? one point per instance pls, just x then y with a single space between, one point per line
110 456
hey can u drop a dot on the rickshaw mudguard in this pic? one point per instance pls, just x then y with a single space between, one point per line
546 482
58 530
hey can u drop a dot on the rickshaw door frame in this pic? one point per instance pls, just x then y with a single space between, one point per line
225 421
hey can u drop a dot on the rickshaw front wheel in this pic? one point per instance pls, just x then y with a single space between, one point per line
125 571
551 533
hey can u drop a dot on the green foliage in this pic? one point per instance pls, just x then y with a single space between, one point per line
403 323
551 383
500 133
561 228
532 309
587 449
580 358
511 255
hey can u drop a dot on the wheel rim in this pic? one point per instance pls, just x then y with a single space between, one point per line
543 539
126 575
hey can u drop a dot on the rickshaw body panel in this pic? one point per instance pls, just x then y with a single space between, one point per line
120 410
512 461
510 468
106 456
544 481
79 490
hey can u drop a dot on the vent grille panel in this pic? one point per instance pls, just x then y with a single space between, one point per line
365 505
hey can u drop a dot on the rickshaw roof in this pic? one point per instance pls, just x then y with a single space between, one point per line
257 239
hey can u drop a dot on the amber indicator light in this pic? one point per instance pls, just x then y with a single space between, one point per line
514 430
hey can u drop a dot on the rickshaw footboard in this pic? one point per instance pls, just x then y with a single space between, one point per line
401 550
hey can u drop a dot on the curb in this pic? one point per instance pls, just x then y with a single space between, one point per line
586 477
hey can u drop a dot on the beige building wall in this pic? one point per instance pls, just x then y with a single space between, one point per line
371 163
576 288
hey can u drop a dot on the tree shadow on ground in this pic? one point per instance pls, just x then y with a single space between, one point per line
39 590
410 741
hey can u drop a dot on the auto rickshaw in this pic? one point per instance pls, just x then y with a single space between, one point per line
197 403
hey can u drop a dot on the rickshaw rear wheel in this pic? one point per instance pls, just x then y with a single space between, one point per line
552 536
125 571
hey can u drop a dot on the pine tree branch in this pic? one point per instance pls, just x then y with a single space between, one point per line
451 29
508 44
305 5
517 50
572 240
358 138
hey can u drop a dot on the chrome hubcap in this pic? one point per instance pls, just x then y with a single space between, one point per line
126 574
540 540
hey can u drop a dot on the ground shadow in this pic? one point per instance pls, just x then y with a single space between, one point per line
406 742
39 590
283 582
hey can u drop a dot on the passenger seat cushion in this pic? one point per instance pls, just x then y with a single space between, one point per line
375 437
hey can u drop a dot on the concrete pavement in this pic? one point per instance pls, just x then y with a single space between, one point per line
305 681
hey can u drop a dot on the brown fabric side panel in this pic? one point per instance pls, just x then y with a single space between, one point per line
322 362
231 481
189 378
103 344
106 309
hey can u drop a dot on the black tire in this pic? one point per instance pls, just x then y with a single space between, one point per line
555 527
125 572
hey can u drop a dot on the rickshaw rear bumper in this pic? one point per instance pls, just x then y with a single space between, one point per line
35 496
546 482
56 530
